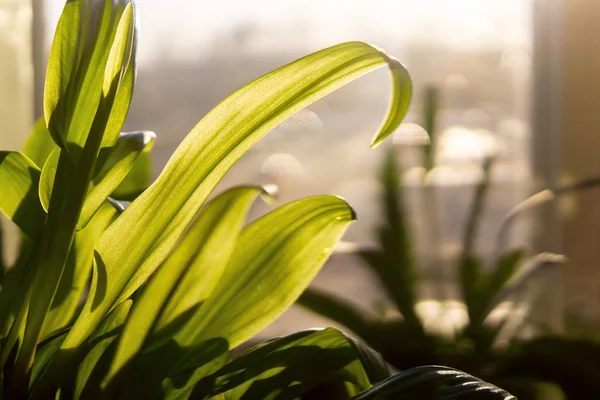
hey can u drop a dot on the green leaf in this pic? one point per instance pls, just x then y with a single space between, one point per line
142 237
476 211
473 287
114 164
373 363
121 159
13 293
395 263
472 281
2 261
77 271
288 367
74 169
43 356
137 180
77 69
62 65
536 200
189 274
120 75
93 367
39 144
434 382
430 110
527 270
506 267
275 259
19 177
47 178
182 386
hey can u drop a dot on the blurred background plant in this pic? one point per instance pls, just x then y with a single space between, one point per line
490 329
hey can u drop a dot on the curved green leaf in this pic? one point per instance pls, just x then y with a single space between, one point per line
77 69
114 164
77 271
43 356
526 271
373 363
274 260
137 180
91 370
434 382
395 263
47 178
75 171
141 238
39 144
114 169
19 177
506 266
190 273
120 75
288 367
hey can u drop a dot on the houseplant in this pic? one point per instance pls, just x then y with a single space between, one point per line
176 282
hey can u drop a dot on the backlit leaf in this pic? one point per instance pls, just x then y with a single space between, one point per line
19 177
39 144
434 382
76 69
189 274
142 237
275 259
289 366
77 272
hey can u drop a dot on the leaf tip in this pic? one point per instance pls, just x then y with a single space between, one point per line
351 211
377 141
269 192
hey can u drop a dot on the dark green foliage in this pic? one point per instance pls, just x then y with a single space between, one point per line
529 369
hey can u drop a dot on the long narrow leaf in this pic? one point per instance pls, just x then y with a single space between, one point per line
434 382
77 272
39 144
19 177
74 172
190 273
275 258
114 165
139 241
137 180
118 164
90 373
395 263
288 367
76 69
